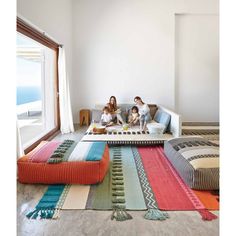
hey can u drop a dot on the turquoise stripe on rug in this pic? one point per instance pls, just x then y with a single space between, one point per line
46 207
134 199
96 151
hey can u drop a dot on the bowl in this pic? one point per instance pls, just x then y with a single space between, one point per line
99 130
125 127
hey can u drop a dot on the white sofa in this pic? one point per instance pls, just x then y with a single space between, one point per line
174 126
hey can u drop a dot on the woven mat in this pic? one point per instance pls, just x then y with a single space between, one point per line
138 179
117 136
209 134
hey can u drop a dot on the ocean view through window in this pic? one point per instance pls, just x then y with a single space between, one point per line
35 89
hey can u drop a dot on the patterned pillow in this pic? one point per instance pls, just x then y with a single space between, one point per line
196 160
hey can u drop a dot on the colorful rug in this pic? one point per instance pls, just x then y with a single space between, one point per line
138 179
210 199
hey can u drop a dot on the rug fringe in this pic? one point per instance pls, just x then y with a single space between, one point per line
120 215
32 213
156 214
207 215
42 214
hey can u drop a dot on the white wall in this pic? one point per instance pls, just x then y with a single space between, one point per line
119 47
54 17
197 67
127 48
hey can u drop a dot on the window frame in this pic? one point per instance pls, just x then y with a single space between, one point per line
27 30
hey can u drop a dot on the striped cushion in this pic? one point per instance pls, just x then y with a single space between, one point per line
196 160
90 168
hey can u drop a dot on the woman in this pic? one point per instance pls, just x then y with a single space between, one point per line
114 110
144 113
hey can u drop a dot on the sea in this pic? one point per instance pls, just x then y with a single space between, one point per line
28 94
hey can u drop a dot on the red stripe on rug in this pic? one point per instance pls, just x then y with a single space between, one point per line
169 189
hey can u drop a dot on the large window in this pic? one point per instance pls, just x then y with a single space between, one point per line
36 88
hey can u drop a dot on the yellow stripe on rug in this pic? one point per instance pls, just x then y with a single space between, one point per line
76 197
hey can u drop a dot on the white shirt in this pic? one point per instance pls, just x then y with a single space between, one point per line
106 117
143 109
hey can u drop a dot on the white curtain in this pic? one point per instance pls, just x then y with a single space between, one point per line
19 147
64 95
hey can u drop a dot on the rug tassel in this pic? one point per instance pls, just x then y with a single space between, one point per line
155 214
120 215
113 215
50 213
207 215
43 214
31 213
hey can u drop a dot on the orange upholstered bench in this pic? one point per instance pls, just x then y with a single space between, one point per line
66 172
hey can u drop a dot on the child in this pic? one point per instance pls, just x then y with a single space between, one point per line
106 118
134 117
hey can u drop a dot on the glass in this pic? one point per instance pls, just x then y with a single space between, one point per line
35 76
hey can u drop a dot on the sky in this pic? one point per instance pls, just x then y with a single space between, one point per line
28 72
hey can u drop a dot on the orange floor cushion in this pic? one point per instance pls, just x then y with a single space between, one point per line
34 168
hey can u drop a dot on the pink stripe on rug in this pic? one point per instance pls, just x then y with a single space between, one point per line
43 153
169 189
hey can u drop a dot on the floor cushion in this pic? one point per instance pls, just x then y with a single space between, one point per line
196 160
34 167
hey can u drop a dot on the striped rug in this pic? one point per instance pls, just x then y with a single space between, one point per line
138 179
210 133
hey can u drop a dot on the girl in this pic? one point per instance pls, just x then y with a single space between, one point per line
134 117
106 118
144 113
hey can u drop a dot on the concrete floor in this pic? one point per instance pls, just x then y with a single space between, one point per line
88 222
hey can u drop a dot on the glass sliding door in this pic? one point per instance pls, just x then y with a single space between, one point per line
36 89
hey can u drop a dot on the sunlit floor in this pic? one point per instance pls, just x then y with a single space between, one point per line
30 126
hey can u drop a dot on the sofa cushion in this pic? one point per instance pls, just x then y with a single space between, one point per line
96 115
153 109
163 118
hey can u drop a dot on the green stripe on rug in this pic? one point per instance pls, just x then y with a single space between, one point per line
102 197
134 199
129 183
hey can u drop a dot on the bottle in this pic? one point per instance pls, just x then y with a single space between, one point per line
93 124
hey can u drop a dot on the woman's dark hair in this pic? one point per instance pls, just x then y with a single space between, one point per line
106 108
113 106
135 108
138 98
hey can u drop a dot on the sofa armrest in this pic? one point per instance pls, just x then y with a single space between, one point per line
96 115
175 126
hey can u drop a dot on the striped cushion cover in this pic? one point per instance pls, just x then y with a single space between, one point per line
196 160
90 171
